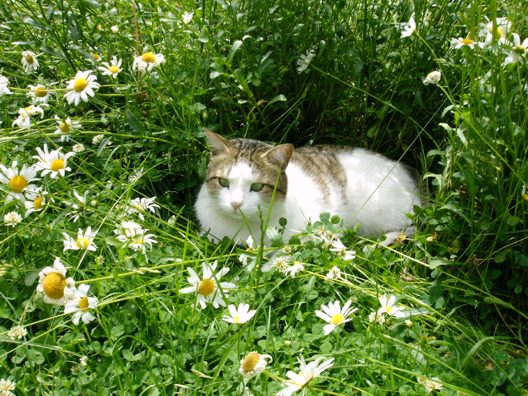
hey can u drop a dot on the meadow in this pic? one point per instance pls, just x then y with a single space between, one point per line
107 285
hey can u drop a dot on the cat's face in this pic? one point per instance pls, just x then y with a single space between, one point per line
244 176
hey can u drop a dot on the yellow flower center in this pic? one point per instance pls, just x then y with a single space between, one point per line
57 164
496 32
37 202
18 183
206 287
138 241
83 243
250 361
40 92
29 59
54 285
236 318
388 309
113 69
83 304
64 127
466 41
525 197
96 57
337 319
80 84
148 57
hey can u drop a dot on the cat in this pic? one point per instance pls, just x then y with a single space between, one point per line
246 178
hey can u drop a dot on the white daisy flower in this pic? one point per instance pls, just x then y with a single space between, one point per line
53 284
375 317
111 68
82 86
17 332
29 61
140 206
80 305
334 273
461 42
495 32
519 50
304 60
79 205
18 182
25 114
11 219
334 315
4 82
147 61
208 288
35 201
254 364
84 240
389 307
38 93
409 28
54 162
65 128
340 249
280 263
6 387
433 78
239 315
134 236
307 372
293 269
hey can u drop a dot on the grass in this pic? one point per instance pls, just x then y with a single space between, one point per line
302 72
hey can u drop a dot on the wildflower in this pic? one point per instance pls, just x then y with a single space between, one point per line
253 364
39 93
65 127
334 273
134 236
17 332
97 139
460 42
78 148
306 374
25 114
305 60
495 31
84 240
81 87
187 17
409 27
293 269
280 263
6 387
4 82
433 78
18 181
52 162
35 201
208 289
111 69
140 206
80 305
83 361
518 51
239 315
56 288
389 307
114 29
147 61
29 61
334 315
430 384
375 317
11 219
341 250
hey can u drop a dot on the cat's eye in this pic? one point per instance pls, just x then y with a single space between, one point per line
256 187
223 182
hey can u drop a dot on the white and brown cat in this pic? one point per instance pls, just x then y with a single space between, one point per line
246 178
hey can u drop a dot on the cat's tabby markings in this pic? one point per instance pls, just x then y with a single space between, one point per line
246 178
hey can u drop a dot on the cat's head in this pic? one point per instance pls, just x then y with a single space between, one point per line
245 175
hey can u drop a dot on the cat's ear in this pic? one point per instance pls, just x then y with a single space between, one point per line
279 155
217 143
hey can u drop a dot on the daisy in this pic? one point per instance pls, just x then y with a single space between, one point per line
17 332
140 206
389 307
134 236
239 315
65 128
208 288
253 364
35 201
84 240
79 205
495 31
293 269
80 305
460 42
306 374
304 60
334 315
280 263
56 288
11 219
78 148
52 162
111 69
518 51
38 93
147 61
29 61
375 317
25 114
6 387
341 250
4 82
433 78
409 27
334 273
82 86
18 181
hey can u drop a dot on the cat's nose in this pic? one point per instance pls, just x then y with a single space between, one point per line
236 204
